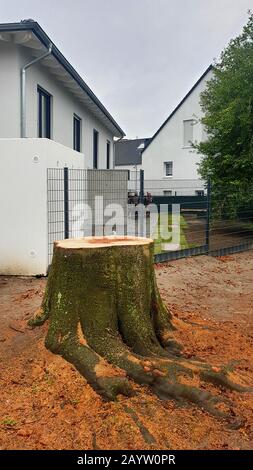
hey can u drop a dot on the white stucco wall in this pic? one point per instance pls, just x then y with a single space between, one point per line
23 201
64 105
128 167
9 91
168 144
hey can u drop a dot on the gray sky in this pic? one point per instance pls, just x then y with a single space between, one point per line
140 57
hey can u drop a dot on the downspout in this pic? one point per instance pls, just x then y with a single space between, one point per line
23 88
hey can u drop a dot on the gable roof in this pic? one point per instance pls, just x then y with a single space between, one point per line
127 151
179 105
39 34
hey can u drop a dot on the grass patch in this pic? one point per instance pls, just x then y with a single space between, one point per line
165 222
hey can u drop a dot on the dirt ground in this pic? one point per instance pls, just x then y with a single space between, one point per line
46 404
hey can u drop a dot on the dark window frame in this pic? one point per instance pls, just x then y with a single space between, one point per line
108 154
170 164
77 133
199 192
48 97
95 148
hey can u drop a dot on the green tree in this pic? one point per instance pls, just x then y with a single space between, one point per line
227 103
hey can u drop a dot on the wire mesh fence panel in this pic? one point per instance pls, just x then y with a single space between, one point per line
182 216
55 207
231 227
85 202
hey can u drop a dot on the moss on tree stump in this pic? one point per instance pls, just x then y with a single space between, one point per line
106 317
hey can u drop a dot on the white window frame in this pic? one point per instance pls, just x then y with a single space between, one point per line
167 192
165 167
187 144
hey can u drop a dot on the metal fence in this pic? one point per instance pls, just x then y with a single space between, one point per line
204 229
192 199
77 199
231 219
211 220
77 202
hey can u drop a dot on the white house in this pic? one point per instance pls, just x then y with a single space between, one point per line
168 160
170 164
49 118
42 95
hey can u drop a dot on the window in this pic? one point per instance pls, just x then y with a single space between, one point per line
95 148
167 193
168 166
44 113
199 192
108 152
77 125
188 132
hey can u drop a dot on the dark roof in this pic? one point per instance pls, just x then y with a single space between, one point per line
127 151
33 26
178 106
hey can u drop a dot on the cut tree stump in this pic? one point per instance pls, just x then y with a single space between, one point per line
106 317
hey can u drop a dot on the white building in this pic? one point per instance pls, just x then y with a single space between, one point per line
169 162
49 118
47 98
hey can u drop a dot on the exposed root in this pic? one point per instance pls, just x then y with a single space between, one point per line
180 392
147 436
221 380
106 317
107 381
39 318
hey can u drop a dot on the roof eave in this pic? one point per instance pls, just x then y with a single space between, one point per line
45 40
178 106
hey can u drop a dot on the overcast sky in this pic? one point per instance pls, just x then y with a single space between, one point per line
140 57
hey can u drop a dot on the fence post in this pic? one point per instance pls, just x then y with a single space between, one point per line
141 187
141 201
66 202
208 214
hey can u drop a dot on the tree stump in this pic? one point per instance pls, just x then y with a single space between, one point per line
106 317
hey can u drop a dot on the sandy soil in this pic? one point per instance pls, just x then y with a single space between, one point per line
46 404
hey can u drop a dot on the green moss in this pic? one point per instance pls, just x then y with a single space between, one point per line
8 422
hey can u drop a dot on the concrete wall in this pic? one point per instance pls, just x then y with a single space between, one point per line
23 201
168 145
64 105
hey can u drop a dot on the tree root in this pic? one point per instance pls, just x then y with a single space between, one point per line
106 317
107 381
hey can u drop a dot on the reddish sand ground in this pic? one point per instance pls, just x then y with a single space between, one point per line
46 404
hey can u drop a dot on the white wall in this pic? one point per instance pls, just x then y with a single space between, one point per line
128 167
9 91
64 105
168 144
23 201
